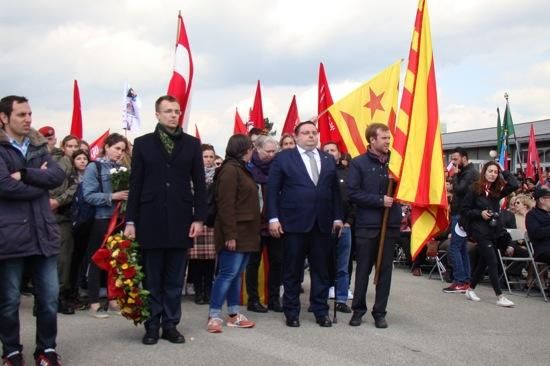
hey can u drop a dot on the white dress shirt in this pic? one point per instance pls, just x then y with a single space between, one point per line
305 159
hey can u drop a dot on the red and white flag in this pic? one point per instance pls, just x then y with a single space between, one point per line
97 146
239 127
257 112
326 125
292 117
182 77
76 124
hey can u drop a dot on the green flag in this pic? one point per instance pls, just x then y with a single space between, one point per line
508 130
499 132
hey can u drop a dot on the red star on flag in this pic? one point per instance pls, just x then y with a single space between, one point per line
375 103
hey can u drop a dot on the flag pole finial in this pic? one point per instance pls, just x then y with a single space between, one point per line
506 96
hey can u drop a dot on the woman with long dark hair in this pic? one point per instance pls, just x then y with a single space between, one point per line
481 218
104 199
236 232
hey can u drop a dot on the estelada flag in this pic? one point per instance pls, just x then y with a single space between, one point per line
97 145
416 159
238 128
292 117
182 76
374 101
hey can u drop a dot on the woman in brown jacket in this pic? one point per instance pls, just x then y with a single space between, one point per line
236 233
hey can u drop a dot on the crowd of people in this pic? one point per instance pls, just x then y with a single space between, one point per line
209 219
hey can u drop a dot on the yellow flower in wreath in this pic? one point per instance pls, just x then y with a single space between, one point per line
119 283
125 266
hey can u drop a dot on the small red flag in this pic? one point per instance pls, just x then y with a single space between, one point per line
257 112
533 159
182 76
239 128
76 124
97 145
292 117
327 128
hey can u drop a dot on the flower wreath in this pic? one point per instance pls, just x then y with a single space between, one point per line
120 258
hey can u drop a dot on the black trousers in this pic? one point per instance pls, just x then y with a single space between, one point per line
164 271
275 255
201 273
99 227
487 260
317 247
366 252
544 257
81 234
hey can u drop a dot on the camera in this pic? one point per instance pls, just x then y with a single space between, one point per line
493 222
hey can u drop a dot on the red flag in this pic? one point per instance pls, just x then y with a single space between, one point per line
257 111
97 145
533 159
197 135
326 125
182 76
238 128
76 124
292 117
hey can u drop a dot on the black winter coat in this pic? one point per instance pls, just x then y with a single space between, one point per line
27 224
474 204
161 202
367 184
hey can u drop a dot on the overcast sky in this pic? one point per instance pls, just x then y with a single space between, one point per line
482 48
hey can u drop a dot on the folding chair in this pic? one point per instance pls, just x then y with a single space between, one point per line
538 267
441 254
507 262
399 256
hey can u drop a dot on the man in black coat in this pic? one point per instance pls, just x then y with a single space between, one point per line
367 188
166 210
538 224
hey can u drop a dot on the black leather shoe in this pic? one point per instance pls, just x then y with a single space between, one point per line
293 323
343 308
64 308
172 335
151 336
324 321
380 322
256 307
356 319
275 306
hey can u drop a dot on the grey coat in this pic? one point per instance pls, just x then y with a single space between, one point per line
27 224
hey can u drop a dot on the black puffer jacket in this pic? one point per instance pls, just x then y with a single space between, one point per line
461 185
27 224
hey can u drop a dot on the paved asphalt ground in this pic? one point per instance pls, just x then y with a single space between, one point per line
426 327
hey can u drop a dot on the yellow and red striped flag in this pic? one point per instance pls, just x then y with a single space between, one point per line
416 159
374 101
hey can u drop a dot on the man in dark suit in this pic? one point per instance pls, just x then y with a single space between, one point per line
165 213
304 204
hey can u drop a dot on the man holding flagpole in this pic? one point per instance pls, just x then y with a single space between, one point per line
368 181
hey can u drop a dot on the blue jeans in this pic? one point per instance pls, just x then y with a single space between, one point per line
343 249
458 254
227 284
43 272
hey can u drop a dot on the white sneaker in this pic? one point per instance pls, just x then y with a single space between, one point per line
471 295
350 294
503 301
190 289
331 293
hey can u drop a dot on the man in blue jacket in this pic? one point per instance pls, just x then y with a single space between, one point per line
29 234
304 204
367 188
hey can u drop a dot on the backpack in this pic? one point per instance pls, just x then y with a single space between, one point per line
81 211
